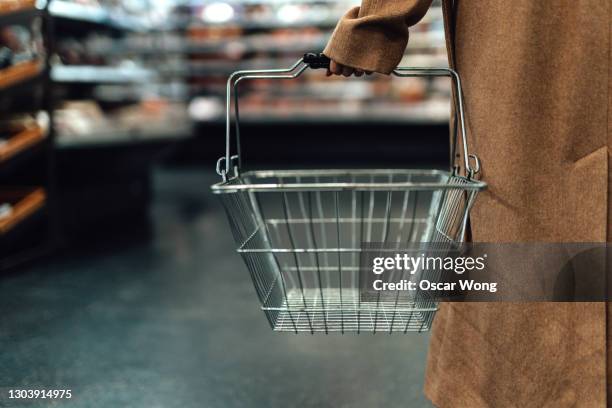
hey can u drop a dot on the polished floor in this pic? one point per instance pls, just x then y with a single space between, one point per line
171 320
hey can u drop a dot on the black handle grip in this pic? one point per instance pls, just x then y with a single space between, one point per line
316 60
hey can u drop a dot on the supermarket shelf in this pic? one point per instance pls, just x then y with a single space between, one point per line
213 47
259 45
16 12
250 46
94 15
126 137
12 6
227 67
25 152
273 2
325 23
121 94
337 118
19 73
21 142
434 10
328 22
100 74
218 47
25 204
418 41
75 11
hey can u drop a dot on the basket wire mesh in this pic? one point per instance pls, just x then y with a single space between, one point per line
303 235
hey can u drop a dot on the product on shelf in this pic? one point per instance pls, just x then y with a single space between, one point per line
21 43
86 121
21 52
20 133
6 210
16 124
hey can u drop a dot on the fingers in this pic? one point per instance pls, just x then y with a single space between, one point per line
335 68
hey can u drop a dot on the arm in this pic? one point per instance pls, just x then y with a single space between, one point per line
373 37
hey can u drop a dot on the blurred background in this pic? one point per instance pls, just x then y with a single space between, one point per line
118 272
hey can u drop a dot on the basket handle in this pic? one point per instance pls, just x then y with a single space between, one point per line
316 61
229 164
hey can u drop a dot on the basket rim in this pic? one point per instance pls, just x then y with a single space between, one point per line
226 187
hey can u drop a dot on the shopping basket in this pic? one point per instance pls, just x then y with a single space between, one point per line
302 234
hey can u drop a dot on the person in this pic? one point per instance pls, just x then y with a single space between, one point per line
538 88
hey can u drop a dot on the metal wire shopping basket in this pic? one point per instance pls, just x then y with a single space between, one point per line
302 233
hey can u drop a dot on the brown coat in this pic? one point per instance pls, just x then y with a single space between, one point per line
537 84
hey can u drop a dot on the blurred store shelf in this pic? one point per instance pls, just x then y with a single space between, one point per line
271 24
8 7
261 44
76 11
86 124
101 74
96 15
26 145
434 112
112 93
20 142
267 43
19 73
18 11
119 137
18 205
231 35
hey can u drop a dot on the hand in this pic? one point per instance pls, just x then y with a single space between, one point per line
335 68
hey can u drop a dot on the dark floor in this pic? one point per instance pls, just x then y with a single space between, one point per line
172 321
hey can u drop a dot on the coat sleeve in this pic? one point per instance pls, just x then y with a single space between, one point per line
373 37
